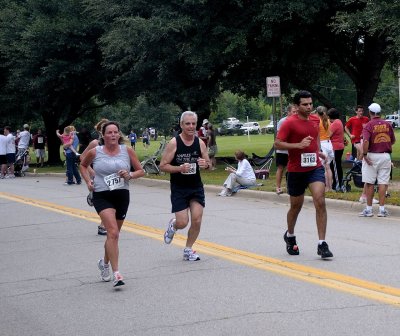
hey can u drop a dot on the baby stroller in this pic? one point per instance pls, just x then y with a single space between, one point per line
150 164
262 164
21 164
353 174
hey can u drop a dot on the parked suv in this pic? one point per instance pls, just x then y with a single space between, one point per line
230 129
393 119
251 127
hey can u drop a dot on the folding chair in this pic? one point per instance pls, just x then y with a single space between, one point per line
149 164
262 164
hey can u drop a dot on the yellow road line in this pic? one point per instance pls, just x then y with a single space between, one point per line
359 287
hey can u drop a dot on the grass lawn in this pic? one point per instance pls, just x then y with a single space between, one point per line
260 145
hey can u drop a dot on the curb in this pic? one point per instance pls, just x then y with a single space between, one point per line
256 194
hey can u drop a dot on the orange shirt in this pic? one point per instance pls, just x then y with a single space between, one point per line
324 133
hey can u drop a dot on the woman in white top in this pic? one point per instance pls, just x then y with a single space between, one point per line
242 176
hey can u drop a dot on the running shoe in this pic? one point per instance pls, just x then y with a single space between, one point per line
104 271
89 199
366 213
383 213
118 280
291 245
169 234
101 230
190 255
323 251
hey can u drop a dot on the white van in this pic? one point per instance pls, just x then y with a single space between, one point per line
393 119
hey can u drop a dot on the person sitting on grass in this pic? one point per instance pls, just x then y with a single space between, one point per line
242 176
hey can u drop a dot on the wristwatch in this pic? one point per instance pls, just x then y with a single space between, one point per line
365 154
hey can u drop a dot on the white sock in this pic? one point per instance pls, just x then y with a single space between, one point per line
290 234
369 207
320 242
381 208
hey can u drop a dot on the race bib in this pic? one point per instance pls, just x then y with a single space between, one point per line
114 181
40 140
308 159
192 169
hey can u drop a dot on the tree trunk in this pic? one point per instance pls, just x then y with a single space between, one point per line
53 142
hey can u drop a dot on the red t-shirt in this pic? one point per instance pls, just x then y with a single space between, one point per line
337 137
379 134
356 125
294 130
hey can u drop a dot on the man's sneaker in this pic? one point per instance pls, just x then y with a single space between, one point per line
104 271
101 230
291 245
383 213
169 234
118 280
190 255
366 213
323 251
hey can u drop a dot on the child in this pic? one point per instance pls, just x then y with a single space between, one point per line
67 139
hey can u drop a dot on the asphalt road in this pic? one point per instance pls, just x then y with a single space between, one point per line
244 284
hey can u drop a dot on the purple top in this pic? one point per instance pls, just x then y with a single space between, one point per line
380 136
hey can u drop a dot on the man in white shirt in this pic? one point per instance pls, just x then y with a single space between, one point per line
3 151
10 151
24 139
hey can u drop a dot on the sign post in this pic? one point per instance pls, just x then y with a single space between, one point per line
274 90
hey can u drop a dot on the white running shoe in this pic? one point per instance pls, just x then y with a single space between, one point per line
118 280
104 271
366 213
383 213
169 234
190 255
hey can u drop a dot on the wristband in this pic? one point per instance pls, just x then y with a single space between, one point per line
365 154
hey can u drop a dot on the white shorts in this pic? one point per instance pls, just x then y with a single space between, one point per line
327 149
379 170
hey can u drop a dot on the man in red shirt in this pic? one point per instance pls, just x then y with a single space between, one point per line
378 138
299 134
353 129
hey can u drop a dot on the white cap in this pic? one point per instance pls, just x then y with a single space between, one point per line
205 121
26 126
374 108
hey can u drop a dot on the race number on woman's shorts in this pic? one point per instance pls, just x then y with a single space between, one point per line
308 159
114 181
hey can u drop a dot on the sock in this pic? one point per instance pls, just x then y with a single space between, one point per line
369 207
381 208
290 235
320 241
106 265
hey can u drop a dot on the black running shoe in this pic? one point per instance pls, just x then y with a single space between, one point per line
323 251
291 245
101 230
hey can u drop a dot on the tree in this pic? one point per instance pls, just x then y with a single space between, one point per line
52 63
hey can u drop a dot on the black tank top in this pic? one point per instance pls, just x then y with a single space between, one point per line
188 154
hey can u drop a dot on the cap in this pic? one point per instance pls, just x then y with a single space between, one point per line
26 126
374 108
205 121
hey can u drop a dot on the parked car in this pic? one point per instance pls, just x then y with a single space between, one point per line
251 127
231 121
230 129
393 119
269 128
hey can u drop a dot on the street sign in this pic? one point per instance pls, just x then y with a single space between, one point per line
273 86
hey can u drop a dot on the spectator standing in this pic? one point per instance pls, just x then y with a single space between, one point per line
10 151
24 138
70 143
353 129
39 145
282 154
378 139
337 138
3 154
326 145
112 166
183 157
299 134
242 176
132 138
202 133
